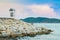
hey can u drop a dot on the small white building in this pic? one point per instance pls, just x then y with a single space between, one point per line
12 12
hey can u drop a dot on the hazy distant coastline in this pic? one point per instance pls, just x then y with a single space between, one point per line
41 20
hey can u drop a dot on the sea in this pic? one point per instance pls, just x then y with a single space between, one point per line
55 35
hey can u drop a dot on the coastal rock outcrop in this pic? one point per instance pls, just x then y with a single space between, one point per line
10 27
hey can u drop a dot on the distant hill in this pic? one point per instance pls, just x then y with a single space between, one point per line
41 20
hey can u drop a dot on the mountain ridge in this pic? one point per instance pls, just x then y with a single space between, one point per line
41 20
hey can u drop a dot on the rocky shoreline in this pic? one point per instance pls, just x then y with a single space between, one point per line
12 28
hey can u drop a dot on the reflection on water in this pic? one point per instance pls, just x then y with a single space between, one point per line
53 36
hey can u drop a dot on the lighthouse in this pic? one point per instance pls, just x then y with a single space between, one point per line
12 12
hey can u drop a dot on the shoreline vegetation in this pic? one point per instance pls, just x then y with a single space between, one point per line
13 28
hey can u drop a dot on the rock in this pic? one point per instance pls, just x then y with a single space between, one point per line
32 34
10 27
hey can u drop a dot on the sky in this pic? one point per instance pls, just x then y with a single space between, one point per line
31 8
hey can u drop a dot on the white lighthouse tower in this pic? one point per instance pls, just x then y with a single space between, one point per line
12 12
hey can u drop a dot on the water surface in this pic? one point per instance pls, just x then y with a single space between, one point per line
53 36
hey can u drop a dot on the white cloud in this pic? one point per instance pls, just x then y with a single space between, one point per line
20 11
42 10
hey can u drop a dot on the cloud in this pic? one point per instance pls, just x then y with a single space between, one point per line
23 11
42 10
20 10
8 1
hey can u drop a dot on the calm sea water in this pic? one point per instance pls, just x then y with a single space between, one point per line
53 36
